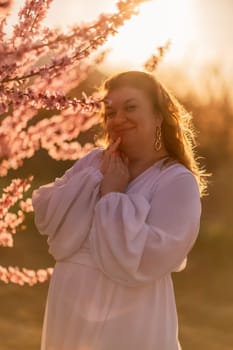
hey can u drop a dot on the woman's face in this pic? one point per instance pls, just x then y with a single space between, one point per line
129 114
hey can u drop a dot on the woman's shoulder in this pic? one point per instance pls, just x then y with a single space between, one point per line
174 168
173 171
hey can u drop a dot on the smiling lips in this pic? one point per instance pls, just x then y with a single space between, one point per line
123 130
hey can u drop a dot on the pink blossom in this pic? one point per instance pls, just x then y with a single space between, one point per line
24 276
9 222
6 239
151 64
38 68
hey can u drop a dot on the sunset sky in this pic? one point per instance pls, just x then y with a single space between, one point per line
200 30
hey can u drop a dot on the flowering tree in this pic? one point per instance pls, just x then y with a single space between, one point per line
39 66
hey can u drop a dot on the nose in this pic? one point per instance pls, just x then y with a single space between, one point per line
119 117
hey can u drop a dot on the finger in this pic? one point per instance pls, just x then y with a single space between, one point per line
113 147
110 144
109 149
112 162
123 157
105 161
121 164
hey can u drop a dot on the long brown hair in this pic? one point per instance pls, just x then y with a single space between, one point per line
177 129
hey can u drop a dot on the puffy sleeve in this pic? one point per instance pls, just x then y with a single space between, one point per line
136 242
63 210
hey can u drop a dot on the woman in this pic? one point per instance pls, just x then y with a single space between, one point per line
119 222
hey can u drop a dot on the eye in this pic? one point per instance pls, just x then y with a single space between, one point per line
131 108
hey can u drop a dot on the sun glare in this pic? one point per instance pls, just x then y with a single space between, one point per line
156 23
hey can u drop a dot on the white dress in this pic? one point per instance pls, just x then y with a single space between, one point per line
111 288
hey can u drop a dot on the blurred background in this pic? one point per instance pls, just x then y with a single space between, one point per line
198 70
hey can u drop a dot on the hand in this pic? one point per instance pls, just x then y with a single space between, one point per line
116 175
107 153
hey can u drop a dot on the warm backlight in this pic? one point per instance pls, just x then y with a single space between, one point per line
157 22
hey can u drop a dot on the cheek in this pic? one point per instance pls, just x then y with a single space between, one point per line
149 129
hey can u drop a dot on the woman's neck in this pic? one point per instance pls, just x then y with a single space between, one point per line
137 164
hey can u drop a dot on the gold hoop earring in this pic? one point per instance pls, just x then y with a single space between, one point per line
158 139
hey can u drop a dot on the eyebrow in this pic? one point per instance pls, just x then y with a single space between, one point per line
130 100
107 106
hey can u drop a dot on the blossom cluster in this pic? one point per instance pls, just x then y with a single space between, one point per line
9 222
24 276
39 66
28 86
152 62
